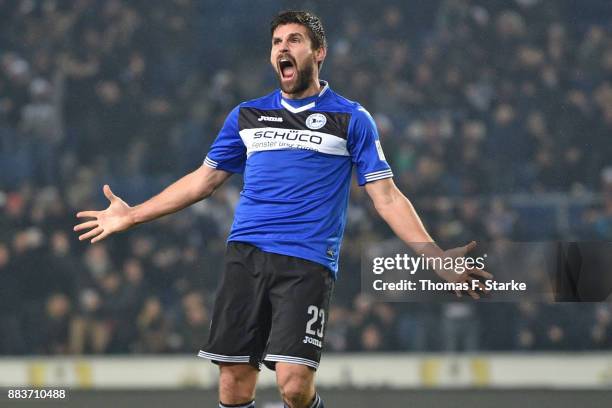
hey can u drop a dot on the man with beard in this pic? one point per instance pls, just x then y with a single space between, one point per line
296 148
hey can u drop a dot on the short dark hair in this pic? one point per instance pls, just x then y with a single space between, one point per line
305 18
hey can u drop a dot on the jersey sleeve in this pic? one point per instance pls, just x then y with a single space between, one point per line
365 148
228 151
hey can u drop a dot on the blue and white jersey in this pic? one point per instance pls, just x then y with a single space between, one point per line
297 157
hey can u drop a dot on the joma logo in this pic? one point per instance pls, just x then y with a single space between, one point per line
269 119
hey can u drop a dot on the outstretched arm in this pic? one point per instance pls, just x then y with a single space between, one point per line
393 206
400 215
119 216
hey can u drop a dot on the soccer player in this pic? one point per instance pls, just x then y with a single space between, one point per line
296 148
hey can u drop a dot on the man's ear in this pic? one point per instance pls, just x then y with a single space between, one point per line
320 54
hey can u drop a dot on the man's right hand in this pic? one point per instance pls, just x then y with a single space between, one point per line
117 217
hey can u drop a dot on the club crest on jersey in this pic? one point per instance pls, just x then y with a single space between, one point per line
316 121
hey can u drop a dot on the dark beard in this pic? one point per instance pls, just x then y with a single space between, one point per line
304 77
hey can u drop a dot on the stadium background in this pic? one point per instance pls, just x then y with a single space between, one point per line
496 117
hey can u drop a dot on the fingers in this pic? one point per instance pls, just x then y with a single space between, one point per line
480 272
108 193
482 287
479 286
87 214
97 233
470 246
470 292
85 225
100 237
91 233
473 294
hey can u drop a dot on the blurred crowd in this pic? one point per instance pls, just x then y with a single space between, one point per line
496 117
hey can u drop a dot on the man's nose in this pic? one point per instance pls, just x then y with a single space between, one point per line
284 46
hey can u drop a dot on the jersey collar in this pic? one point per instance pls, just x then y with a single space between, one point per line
305 103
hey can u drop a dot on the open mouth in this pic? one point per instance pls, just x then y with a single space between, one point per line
286 68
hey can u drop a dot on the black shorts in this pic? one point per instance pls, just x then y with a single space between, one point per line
269 308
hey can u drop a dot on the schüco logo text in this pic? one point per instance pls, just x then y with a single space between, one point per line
288 135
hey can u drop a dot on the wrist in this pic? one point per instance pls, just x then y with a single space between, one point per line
428 249
133 216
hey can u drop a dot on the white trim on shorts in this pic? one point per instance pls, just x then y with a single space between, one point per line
289 359
223 358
